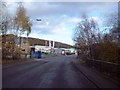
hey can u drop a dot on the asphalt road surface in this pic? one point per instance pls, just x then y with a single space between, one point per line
54 72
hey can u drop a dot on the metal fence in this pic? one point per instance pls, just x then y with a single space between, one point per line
111 69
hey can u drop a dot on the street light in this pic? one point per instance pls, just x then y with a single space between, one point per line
38 19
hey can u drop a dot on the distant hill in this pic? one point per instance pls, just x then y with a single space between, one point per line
37 41
42 42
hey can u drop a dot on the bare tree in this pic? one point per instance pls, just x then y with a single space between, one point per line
85 32
112 21
5 19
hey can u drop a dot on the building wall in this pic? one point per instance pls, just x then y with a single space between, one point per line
26 46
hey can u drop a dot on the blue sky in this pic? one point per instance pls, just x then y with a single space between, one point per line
59 19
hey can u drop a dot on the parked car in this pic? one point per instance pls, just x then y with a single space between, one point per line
66 52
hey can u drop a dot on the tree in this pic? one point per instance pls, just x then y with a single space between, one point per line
8 43
85 32
21 22
8 46
112 20
5 19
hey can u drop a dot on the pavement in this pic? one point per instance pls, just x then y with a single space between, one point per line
99 79
53 72
11 62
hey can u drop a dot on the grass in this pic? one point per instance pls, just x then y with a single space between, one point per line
10 61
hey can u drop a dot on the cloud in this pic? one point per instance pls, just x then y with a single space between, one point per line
73 20
58 18
63 0
60 29
69 13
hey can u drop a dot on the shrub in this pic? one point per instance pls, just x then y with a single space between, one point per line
109 52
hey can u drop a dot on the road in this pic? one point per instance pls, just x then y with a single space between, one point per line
53 72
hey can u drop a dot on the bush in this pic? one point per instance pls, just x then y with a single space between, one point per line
96 51
106 51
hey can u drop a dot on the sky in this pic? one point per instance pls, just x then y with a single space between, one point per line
59 19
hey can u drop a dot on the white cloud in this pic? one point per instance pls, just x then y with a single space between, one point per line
34 35
60 29
66 0
26 1
99 20
73 20
59 18
41 26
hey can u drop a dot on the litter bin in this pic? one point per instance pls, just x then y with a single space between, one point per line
38 54
32 54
